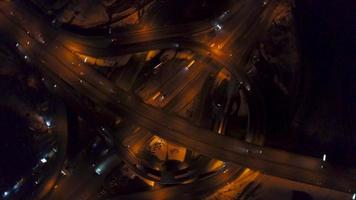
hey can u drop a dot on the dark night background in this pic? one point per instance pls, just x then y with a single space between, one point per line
327 41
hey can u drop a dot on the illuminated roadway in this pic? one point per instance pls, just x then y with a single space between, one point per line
190 190
53 58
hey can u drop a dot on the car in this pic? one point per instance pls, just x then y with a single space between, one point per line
106 165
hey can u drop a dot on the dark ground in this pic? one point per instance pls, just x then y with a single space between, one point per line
325 121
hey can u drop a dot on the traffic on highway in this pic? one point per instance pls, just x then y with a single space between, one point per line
177 110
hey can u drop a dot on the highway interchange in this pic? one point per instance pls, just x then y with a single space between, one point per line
56 55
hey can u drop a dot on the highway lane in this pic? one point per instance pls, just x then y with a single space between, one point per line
178 83
137 139
246 19
102 46
191 190
142 35
136 35
216 56
149 32
134 162
171 85
187 93
83 175
268 160
77 185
